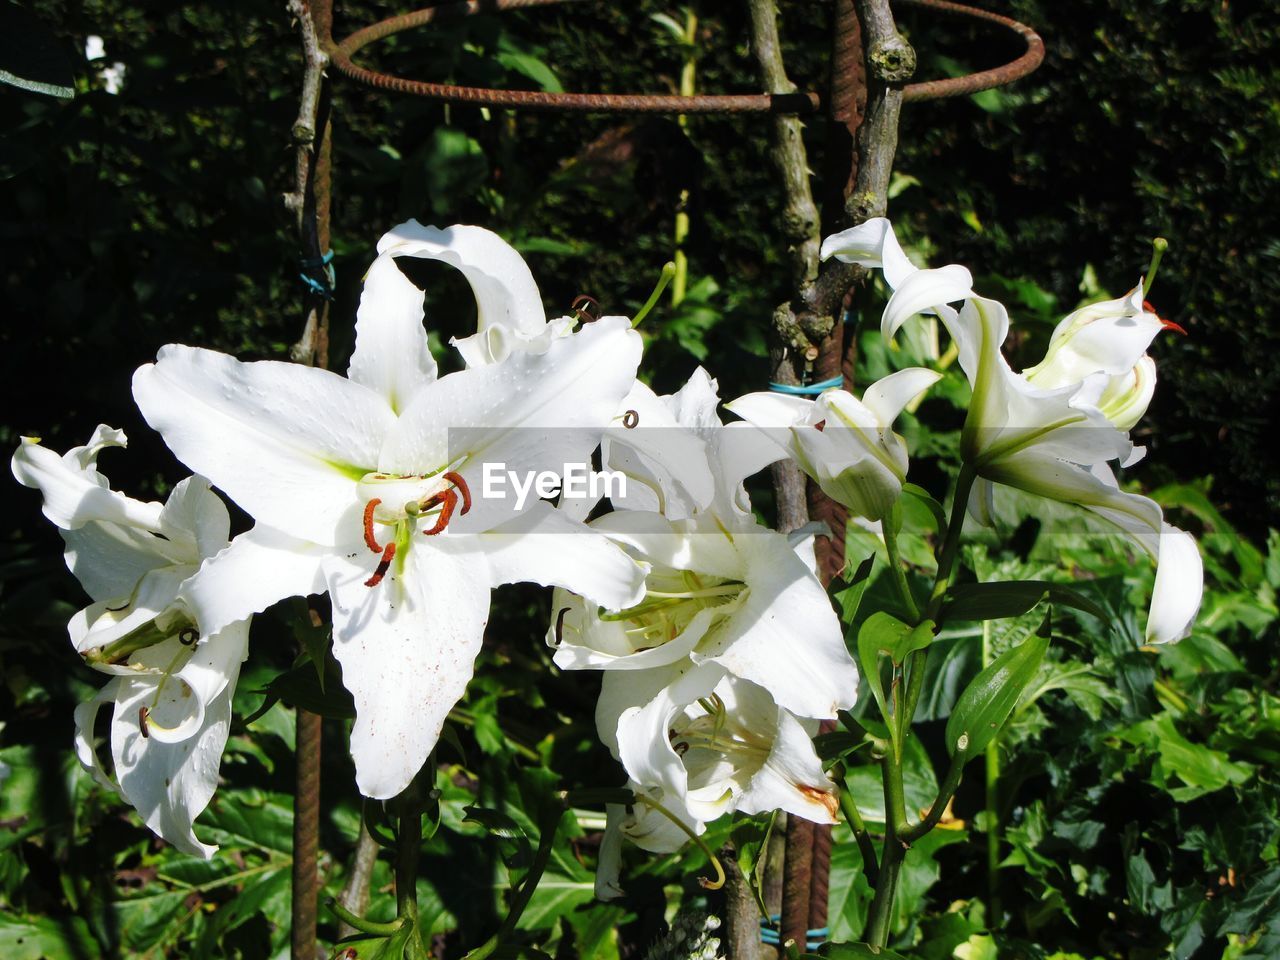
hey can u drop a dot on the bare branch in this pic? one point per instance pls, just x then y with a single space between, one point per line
891 61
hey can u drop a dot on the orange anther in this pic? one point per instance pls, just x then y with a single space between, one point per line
143 714
384 565
1167 324
457 481
370 540
450 500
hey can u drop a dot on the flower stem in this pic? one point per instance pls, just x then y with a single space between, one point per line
951 546
870 863
1158 246
546 840
668 271
992 801
409 806
945 792
890 526
688 78
899 834
880 916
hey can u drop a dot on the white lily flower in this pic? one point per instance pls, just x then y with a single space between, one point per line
363 486
745 598
720 588
509 308
1054 431
845 444
666 461
714 742
1110 338
172 683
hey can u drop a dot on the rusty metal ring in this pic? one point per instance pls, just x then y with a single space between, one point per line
340 55
1031 58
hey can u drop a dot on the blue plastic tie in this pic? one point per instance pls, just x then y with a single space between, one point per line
808 389
814 938
321 289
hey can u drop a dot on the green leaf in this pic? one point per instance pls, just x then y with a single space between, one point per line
850 598
494 821
883 633
1198 768
922 496
953 662
532 68
991 696
919 783
850 894
251 818
1012 598
856 951
555 895
268 894
46 938
301 687
314 638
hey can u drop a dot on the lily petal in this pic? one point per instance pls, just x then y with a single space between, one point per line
544 546
758 643
507 297
871 244
284 441
889 396
1175 601
109 559
169 784
925 290
74 496
644 744
532 412
665 463
257 569
407 649
792 779
391 355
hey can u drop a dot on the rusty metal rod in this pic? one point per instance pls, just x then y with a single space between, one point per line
799 103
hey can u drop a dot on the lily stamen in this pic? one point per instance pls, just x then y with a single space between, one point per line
450 500
1167 324
370 540
384 565
143 713
457 480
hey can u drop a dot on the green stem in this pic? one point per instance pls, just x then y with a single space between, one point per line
853 816
706 884
880 916
1158 246
945 792
915 685
899 834
688 78
357 922
668 271
993 831
547 839
992 800
408 807
408 849
150 634
890 527
951 546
